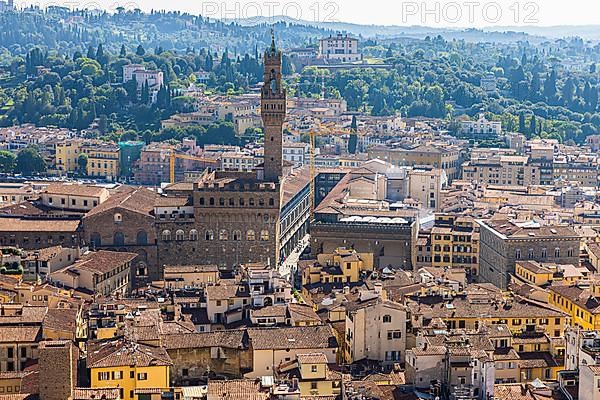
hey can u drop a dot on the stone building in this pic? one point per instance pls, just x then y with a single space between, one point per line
34 234
58 360
230 218
125 222
504 242
196 355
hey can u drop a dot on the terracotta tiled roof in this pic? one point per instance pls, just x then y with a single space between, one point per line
429 351
102 261
96 393
312 358
19 314
226 291
172 201
270 311
234 339
583 297
237 389
38 225
25 334
302 312
299 337
61 319
116 353
74 189
140 200
537 359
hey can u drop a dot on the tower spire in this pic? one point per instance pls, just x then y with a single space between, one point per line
273 41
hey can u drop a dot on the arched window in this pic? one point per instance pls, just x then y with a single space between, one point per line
387 319
250 235
201 201
95 239
221 201
141 238
264 235
166 235
118 239
179 235
261 202
569 252
211 201
544 253
118 217
231 202
518 254
241 201
209 235
193 235
142 269
251 201
271 201
223 234
530 254
237 235
556 252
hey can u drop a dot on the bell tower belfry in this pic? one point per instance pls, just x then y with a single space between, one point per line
273 111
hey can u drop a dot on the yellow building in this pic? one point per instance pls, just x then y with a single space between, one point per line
185 276
542 274
480 305
131 367
452 243
315 377
341 266
66 155
581 302
102 161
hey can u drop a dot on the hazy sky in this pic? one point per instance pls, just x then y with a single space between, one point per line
458 13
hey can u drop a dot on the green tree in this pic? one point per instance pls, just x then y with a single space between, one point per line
82 161
140 51
7 161
103 124
30 161
123 51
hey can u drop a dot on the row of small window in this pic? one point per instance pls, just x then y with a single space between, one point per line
9 389
116 375
10 352
456 249
544 253
63 202
99 165
241 202
210 235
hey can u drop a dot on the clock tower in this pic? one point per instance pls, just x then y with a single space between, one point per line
273 111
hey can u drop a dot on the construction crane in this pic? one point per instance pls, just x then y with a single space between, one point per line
173 156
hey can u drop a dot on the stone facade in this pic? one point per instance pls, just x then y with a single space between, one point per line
198 355
273 110
35 234
230 225
390 244
125 222
58 369
502 243
233 218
